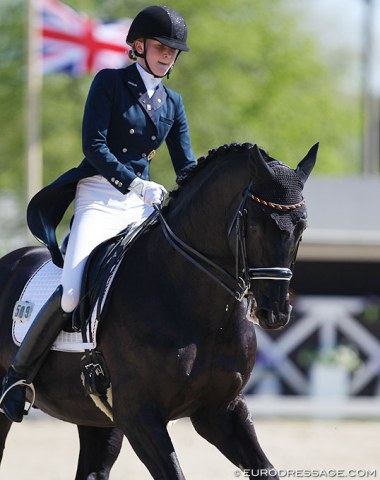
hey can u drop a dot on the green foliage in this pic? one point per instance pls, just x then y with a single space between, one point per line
12 95
252 75
61 122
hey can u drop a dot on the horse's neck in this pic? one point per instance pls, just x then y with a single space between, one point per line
201 219
202 215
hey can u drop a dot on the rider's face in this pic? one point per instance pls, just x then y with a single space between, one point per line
159 57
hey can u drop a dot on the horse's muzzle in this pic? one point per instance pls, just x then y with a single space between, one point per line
271 319
270 312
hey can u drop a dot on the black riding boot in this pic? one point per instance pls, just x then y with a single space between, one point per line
30 356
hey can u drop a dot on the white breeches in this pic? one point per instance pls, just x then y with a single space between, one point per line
100 212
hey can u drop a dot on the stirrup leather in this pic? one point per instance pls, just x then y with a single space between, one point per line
26 384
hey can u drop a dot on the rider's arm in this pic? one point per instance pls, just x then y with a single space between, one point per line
178 140
96 123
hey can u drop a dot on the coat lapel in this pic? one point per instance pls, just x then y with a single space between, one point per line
137 87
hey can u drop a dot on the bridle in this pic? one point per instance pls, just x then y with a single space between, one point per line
237 285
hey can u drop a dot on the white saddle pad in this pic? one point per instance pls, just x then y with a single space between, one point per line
34 295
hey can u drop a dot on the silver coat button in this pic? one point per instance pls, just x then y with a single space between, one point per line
154 137
125 149
138 174
131 131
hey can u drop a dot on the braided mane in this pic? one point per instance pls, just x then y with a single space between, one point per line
283 190
206 160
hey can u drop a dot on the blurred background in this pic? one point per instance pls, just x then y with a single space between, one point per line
284 74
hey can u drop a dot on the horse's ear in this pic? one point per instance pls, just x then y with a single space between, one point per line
306 165
258 167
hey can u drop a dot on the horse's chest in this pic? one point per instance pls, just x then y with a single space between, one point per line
222 367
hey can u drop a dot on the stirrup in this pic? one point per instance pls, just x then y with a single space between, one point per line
26 384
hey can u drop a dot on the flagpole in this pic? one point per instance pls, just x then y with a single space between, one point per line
34 164
371 118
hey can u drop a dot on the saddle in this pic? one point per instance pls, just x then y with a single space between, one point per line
100 269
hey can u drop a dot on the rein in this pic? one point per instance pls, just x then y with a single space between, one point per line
238 289
239 285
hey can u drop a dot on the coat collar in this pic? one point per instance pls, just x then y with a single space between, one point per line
150 81
134 81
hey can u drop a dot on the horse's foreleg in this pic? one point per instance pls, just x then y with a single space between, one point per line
233 433
149 438
5 426
99 449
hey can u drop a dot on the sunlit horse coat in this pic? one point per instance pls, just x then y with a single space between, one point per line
121 127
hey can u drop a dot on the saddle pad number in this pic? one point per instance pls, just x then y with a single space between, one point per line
22 311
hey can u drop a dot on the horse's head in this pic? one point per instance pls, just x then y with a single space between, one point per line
275 219
260 203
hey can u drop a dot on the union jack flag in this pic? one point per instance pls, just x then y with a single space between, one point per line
75 44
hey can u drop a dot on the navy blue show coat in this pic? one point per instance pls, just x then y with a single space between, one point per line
122 126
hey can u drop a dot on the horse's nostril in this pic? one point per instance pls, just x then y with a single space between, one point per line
266 315
271 320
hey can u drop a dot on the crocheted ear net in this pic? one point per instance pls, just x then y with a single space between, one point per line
285 188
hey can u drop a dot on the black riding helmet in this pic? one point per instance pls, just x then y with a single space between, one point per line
160 23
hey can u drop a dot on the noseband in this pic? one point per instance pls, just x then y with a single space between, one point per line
273 273
239 285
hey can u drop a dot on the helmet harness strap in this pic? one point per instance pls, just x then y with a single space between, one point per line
143 55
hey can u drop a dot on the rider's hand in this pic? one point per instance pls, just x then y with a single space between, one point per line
150 192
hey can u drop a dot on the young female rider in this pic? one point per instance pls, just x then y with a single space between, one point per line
128 115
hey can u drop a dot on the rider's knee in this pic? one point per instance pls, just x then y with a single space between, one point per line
69 301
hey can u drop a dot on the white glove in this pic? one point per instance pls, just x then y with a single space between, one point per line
151 193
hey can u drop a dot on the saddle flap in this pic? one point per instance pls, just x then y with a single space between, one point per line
101 267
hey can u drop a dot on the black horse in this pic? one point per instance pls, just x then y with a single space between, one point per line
178 336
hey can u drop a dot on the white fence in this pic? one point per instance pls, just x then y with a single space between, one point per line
330 318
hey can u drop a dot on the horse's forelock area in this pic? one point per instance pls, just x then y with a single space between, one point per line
286 221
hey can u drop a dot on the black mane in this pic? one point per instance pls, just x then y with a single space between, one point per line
286 189
203 161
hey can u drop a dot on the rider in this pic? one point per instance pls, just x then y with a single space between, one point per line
128 114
